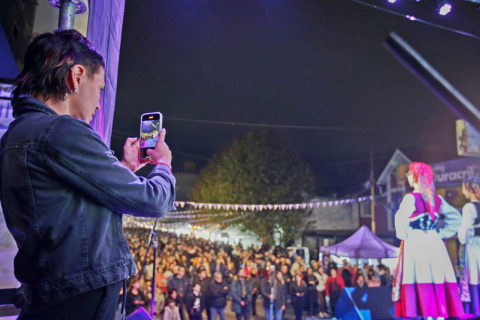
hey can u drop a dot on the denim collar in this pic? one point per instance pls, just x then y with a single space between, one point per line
29 104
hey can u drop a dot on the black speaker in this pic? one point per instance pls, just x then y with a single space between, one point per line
366 304
139 314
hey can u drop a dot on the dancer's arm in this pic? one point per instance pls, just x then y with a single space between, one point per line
407 207
453 220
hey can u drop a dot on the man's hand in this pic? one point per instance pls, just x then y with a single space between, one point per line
161 153
242 303
131 154
283 308
271 297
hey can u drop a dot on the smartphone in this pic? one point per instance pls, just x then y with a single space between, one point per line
150 127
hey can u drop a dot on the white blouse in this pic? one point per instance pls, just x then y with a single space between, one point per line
453 218
466 232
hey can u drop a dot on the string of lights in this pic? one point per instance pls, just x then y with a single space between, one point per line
261 207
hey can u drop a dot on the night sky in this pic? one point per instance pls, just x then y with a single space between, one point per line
315 63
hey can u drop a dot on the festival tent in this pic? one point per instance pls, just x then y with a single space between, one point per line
362 244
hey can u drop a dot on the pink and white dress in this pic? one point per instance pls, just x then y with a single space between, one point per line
469 235
427 282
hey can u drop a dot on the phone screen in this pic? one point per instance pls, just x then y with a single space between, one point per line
151 124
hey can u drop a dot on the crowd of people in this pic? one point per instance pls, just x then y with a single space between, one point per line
195 278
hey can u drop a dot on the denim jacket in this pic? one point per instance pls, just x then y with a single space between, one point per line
63 194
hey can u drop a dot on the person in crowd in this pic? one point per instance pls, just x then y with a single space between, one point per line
248 268
469 237
161 281
229 272
241 293
203 264
171 311
360 281
135 297
267 269
256 286
296 265
331 264
425 285
366 268
373 281
274 295
346 274
204 283
169 271
311 295
219 290
298 291
286 275
287 280
195 302
65 214
173 295
387 278
219 266
322 279
334 287
180 283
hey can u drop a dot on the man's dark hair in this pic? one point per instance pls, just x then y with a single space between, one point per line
48 60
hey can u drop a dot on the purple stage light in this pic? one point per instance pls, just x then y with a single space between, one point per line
412 18
392 1
445 9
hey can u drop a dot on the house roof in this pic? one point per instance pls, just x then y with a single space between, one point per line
398 158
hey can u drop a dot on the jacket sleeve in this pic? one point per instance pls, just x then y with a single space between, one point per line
341 283
453 220
189 302
293 289
235 293
327 287
214 291
249 291
77 155
469 214
284 296
264 290
225 291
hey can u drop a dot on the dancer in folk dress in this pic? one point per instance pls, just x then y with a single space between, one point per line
469 236
425 283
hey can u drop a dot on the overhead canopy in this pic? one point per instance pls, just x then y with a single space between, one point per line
362 244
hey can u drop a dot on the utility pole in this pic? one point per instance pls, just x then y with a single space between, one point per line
372 191
68 9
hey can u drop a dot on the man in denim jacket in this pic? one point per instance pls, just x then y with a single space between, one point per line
63 192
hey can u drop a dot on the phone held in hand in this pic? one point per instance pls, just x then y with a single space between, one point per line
150 127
